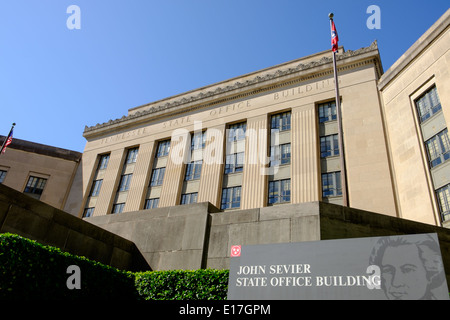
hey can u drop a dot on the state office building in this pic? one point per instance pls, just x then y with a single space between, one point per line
271 137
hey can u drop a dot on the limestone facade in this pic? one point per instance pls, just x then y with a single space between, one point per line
416 111
269 138
263 139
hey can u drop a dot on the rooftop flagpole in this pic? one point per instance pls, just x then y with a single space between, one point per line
334 42
8 140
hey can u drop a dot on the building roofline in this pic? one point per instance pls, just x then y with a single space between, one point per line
42 149
299 70
416 49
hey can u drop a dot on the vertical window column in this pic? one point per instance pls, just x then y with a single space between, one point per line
234 166
157 175
125 180
193 169
279 183
436 141
96 186
329 153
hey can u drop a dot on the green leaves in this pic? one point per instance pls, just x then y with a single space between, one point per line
30 270
204 284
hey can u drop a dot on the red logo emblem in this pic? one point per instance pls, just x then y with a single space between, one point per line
236 251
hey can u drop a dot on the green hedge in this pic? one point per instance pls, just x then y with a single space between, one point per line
29 270
183 285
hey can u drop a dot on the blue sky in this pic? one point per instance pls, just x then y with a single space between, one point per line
54 81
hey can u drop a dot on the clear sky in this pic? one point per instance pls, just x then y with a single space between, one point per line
55 80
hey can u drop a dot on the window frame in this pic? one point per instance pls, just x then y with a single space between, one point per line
440 144
329 114
103 161
96 186
125 182
190 197
279 155
443 199
163 148
331 141
3 174
237 131
281 121
334 189
151 203
232 164
193 170
88 212
159 178
277 192
32 189
428 104
232 202
132 155
118 208
198 140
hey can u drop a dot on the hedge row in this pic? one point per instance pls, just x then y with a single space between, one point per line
183 285
29 270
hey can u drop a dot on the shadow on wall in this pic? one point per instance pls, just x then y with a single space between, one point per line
33 219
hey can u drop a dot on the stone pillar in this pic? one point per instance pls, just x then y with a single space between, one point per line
304 155
254 179
212 168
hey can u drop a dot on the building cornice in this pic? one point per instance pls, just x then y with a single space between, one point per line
303 69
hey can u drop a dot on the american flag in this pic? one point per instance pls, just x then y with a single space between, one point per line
334 37
8 141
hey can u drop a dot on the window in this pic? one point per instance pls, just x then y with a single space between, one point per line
2 175
281 121
198 140
443 196
163 149
151 203
428 104
193 170
329 146
327 112
331 184
234 162
88 212
103 163
35 187
280 191
236 132
132 155
96 185
280 154
438 148
125 181
189 198
231 198
118 207
157 177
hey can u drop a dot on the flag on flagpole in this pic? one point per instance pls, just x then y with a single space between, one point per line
334 37
7 141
